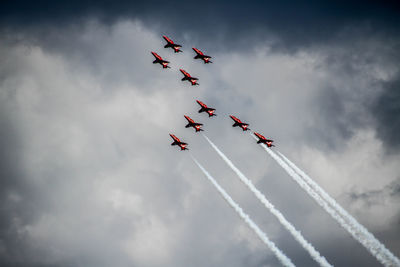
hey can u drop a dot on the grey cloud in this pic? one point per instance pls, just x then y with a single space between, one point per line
72 168
90 120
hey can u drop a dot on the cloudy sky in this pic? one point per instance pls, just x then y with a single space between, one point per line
88 176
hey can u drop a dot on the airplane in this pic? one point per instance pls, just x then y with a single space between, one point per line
264 140
239 123
178 142
200 54
195 125
161 61
189 78
171 44
204 107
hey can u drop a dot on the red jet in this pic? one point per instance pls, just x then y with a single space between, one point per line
171 44
204 107
200 54
189 78
160 60
178 142
239 123
264 140
195 125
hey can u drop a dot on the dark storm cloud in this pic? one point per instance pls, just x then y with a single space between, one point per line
11 184
363 96
387 112
20 202
296 22
376 197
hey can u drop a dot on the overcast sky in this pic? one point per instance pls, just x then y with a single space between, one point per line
88 176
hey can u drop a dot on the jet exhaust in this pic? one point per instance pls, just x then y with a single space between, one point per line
376 248
271 245
292 230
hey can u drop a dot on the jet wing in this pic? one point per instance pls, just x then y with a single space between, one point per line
235 119
184 73
174 138
168 40
188 119
201 103
198 51
156 56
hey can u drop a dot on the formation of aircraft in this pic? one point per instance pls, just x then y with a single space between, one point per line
204 108
176 48
160 60
192 123
171 44
178 142
200 55
262 139
188 77
239 123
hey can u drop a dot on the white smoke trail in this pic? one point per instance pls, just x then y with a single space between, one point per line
357 235
271 245
292 230
379 250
